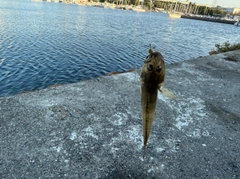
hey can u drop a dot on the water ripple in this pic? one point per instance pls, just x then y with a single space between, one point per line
42 44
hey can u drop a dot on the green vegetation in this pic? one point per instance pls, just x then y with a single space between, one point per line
203 10
225 47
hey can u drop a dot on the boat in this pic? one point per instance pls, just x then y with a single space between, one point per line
237 23
174 14
138 9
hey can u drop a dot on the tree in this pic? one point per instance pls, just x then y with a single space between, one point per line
218 11
147 3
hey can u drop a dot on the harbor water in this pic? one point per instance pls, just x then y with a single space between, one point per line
43 44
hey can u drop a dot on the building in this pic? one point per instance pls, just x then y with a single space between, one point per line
236 11
230 10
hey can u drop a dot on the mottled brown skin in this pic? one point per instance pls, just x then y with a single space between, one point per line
152 78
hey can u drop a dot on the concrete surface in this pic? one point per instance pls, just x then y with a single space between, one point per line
93 129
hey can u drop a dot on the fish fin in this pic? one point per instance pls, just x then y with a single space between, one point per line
167 93
150 51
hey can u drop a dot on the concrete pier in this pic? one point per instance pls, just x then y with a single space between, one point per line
93 129
232 22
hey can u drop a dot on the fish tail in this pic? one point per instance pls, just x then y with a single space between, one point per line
144 151
148 110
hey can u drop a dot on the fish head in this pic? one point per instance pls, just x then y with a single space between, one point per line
154 64
153 71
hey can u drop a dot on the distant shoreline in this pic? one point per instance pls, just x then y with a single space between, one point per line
137 9
101 5
111 6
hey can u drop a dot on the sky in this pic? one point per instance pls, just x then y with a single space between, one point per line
224 3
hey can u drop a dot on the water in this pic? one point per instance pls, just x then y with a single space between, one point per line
43 44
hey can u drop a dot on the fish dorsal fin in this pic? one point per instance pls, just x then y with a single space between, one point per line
150 51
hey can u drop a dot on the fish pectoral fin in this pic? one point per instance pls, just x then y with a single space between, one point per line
167 93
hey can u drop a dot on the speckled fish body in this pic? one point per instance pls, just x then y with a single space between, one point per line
152 78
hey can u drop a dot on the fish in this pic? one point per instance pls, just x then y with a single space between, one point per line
152 79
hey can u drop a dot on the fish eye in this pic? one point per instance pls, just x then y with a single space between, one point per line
150 67
158 69
147 56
